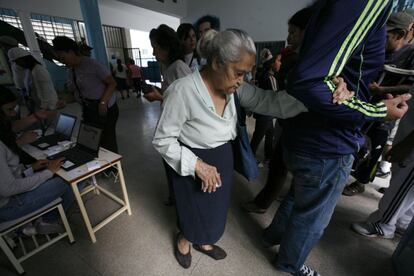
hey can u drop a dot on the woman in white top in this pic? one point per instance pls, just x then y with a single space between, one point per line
41 89
193 136
121 73
186 33
168 51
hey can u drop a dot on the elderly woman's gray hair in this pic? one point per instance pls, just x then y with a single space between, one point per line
228 46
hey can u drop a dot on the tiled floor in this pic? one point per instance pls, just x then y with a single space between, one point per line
141 244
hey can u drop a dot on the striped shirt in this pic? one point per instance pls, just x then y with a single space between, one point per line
343 38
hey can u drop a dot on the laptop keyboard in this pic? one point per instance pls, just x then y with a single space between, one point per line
75 155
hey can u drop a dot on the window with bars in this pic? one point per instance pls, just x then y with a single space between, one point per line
10 16
49 27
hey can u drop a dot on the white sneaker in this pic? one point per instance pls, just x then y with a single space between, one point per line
46 228
370 230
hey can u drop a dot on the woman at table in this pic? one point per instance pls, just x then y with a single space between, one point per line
193 136
93 85
24 189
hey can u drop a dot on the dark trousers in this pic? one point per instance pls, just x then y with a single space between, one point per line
263 128
107 123
365 172
276 177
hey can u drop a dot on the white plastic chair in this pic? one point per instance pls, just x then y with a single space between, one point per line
9 226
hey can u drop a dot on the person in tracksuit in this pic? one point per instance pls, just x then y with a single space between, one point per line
396 207
343 38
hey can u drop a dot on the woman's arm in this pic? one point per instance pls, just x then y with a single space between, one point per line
12 185
165 141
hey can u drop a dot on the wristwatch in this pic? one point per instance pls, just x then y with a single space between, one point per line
102 102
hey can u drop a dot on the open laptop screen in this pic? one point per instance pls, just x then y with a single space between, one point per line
89 137
65 125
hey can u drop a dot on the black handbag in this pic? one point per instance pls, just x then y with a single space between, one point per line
244 160
90 108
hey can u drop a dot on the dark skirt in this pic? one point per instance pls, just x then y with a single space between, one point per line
202 216
121 84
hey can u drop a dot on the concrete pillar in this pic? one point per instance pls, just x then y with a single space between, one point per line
29 34
93 25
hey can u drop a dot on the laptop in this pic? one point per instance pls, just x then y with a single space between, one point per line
63 132
86 149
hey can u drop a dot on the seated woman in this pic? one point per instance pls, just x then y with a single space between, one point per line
24 189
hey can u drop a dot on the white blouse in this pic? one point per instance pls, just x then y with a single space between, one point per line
189 117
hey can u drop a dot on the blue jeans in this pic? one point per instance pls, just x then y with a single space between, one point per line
306 211
28 202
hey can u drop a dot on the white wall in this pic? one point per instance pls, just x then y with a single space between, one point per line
112 12
178 9
264 20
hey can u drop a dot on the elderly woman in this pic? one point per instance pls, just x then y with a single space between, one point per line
193 136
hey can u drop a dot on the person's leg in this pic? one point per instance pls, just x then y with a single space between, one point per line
108 137
276 178
25 203
258 134
317 185
397 201
268 147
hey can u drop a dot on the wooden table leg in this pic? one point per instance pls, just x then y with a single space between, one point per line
124 190
83 211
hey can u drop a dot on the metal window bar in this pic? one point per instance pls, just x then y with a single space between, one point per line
10 16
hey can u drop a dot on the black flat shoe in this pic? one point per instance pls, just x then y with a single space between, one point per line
183 259
217 253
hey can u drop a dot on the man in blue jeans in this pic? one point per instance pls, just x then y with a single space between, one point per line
343 38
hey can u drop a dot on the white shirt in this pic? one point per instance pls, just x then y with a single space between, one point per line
42 88
174 71
191 61
189 116
123 74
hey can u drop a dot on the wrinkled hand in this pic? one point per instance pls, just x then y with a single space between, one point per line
40 165
397 106
154 95
341 93
54 165
27 138
398 153
209 176
103 109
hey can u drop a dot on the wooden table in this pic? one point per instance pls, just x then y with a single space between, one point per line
106 160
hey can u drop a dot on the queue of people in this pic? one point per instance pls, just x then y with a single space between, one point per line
308 88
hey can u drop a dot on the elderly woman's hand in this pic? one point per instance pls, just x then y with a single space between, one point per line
209 176
341 93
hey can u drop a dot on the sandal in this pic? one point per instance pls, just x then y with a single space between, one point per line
353 189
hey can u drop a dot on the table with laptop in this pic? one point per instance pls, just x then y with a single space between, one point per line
81 160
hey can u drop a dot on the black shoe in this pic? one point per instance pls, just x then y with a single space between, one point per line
183 259
353 189
217 253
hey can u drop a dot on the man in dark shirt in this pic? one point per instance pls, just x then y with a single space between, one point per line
343 38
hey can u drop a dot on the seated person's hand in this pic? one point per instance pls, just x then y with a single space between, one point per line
60 104
44 114
154 95
27 138
341 93
397 106
54 165
40 165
